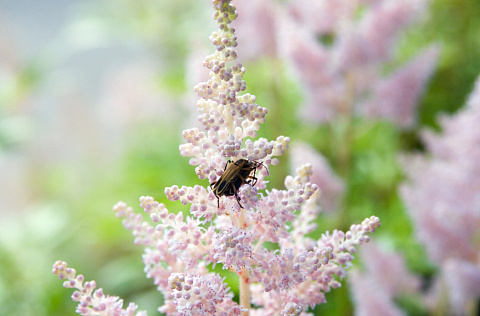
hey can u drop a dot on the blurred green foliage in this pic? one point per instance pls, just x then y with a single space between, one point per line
78 226
456 26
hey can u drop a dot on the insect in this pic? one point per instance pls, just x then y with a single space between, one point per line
235 175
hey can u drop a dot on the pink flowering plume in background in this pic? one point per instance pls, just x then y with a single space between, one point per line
339 51
386 275
343 75
180 250
442 195
331 186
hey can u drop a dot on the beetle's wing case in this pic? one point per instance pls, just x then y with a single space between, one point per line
222 186
219 186
244 174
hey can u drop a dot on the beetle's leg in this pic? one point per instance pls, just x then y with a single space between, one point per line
250 178
238 199
254 179
218 199
236 195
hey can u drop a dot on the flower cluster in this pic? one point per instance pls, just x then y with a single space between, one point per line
442 198
202 295
179 251
386 275
91 301
331 186
343 73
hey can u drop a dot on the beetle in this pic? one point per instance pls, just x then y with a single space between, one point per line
236 174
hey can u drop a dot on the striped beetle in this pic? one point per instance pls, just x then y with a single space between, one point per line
236 174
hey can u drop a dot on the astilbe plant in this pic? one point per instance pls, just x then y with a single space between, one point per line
180 251
343 75
331 186
340 51
386 274
443 200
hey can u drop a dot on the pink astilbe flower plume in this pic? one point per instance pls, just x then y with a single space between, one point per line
387 276
370 298
330 185
179 251
369 40
92 301
256 25
396 96
342 75
442 197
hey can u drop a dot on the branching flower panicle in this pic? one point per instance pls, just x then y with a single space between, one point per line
442 198
92 301
179 251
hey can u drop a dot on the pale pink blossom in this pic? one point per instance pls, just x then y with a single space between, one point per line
322 17
255 28
370 39
441 195
92 301
330 185
395 98
312 64
386 275
370 298
341 74
462 279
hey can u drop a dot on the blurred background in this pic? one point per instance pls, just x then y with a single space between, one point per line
94 96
